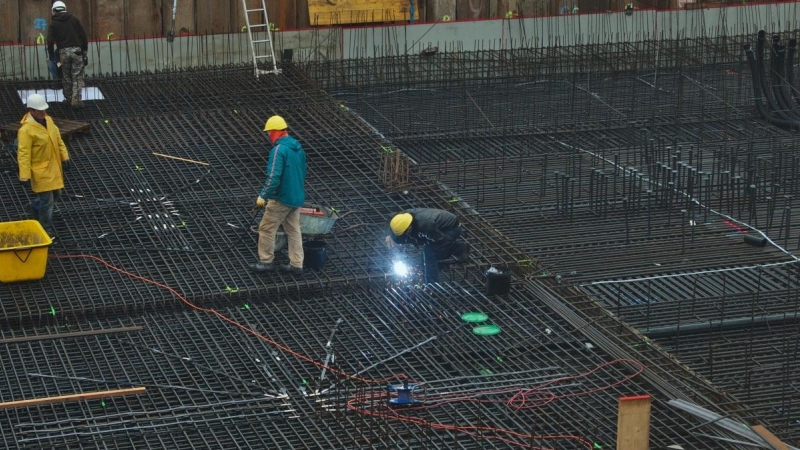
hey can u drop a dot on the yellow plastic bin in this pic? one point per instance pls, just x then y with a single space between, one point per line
23 251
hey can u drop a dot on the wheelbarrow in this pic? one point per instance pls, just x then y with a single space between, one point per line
315 221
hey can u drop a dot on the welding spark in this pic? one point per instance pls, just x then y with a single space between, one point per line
400 269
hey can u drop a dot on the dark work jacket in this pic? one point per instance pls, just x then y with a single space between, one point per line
427 227
66 31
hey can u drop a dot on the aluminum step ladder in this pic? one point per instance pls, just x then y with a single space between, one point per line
260 36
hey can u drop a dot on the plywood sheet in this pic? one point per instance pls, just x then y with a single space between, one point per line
336 12
144 18
9 21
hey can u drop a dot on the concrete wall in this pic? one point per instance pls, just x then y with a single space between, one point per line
119 57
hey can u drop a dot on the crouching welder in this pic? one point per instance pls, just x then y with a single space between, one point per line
437 231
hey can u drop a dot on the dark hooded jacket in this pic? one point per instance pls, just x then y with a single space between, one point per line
66 31
427 227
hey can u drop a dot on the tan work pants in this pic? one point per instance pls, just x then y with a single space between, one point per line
275 214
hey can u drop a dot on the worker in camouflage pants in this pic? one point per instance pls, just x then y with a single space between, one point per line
71 60
68 37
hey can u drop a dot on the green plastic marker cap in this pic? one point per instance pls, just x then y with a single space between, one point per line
486 330
474 317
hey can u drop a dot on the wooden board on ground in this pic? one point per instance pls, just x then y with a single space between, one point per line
72 397
633 423
65 126
341 12
769 437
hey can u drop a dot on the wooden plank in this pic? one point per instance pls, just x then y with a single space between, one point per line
109 20
65 126
9 22
472 9
72 397
302 14
34 18
184 17
213 16
256 18
72 334
633 423
237 16
82 9
285 14
333 12
769 437
144 18
440 9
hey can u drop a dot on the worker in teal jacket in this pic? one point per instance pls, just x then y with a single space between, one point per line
282 196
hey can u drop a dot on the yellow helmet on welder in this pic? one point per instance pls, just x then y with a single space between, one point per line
275 123
400 223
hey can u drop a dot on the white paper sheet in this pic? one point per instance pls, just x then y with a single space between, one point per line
57 95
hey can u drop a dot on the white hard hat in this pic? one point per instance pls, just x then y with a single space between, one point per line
37 101
59 6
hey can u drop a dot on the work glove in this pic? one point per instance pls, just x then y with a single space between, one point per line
260 202
24 181
67 165
389 242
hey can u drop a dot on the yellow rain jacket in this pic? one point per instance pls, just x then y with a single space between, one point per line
40 153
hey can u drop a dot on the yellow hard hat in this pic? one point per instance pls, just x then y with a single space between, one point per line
400 223
275 123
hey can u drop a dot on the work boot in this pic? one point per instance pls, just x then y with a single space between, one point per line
262 267
288 268
77 105
463 258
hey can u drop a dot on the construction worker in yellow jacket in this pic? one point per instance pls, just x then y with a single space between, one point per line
42 158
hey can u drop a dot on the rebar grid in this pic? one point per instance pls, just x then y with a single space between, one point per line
233 387
220 125
662 181
153 215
